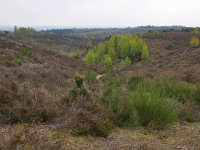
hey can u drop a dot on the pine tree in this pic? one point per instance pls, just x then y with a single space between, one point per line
196 31
108 61
126 62
90 58
145 52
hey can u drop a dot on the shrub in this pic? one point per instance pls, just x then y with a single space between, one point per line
18 61
196 94
189 111
115 97
79 89
88 118
169 45
196 31
89 45
85 115
91 76
135 81
25 52
194 42
120 47
172 88
152 109
25 104
107 61
156 32
126 62
76 54
90 58
145 53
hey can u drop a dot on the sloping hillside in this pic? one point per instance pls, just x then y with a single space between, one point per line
35 81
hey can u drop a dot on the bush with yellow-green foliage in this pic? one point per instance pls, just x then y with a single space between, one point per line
107 61
121 47
126 62
90 58
145 53
75 54
156 32
194 42
196 31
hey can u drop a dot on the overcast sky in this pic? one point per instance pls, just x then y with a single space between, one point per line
99 13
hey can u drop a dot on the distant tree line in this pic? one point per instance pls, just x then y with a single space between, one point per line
22 31
102 33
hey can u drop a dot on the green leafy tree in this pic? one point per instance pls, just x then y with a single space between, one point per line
107 61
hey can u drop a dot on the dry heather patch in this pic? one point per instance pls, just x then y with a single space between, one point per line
26 103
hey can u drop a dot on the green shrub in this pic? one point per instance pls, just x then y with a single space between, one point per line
172 88
79 89
91 76
196 31
194 42
145 53
116 98
25 52
135 81
76 54
152 109
196 95
18 61
90 58
121 47
126 62
107 61
89 45
156 32
169 45
102 49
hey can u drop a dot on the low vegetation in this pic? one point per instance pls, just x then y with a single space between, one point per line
153 110
194 42
41 88
75 54
196 31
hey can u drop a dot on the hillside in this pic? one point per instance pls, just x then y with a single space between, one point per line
36 111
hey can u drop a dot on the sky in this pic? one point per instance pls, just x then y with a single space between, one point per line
99 13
